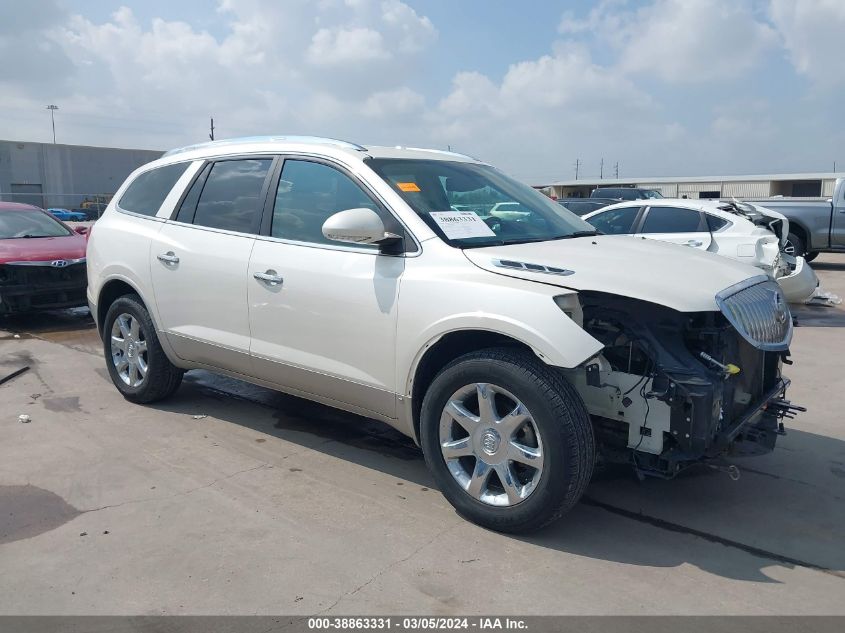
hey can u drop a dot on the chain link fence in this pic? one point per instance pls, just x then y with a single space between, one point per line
91 205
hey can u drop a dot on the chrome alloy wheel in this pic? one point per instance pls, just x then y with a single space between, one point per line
495 457
129 350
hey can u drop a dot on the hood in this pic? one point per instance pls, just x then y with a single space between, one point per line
679 277
40 249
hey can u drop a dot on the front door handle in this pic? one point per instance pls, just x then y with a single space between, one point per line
168 258
271 277
695 243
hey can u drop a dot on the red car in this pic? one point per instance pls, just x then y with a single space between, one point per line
42 261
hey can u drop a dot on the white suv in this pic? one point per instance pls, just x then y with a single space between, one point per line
516 348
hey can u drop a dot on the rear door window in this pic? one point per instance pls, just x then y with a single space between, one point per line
615 221
672 220
146 193
232 196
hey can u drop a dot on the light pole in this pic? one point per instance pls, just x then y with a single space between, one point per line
52 109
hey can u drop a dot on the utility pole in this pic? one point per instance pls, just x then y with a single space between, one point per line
211 136
52 109
577 167
601 170
616 169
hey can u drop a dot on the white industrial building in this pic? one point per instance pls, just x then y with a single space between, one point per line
763 186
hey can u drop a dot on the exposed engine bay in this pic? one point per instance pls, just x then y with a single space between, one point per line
671 389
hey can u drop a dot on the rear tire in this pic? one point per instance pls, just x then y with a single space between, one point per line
135 360
794 245
556 438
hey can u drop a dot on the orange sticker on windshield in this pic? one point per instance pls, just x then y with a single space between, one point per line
407 186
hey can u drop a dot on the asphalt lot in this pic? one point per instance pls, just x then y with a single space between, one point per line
233 499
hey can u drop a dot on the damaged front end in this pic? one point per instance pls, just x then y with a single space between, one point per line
671 388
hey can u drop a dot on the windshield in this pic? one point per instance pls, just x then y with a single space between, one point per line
29 223
470 205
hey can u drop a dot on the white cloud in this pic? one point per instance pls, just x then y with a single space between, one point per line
341 46
644 86
402 101
687 41
813 33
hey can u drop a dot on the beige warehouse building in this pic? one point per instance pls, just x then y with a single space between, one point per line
812 185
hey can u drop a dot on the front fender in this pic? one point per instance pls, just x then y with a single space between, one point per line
521 310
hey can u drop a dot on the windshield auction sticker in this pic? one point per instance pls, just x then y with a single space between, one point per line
458 225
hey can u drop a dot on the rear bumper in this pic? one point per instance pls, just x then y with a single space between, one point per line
800 284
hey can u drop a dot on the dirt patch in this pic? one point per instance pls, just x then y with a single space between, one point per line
27 511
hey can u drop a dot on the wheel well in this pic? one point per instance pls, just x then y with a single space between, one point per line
443 352
110 292
802 234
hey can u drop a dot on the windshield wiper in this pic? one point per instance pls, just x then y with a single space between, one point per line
550 239
30 236
580 234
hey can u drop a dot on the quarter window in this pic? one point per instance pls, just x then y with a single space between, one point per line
615 221
307 195
714 223
231 198
671 220
148 191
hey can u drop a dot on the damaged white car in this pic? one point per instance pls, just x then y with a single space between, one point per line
744 232
517 349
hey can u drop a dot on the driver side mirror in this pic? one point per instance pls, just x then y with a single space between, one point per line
358 226
82 230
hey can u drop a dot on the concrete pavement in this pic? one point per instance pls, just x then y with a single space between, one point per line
231 499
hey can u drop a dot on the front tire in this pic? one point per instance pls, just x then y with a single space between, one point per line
136 363
507 439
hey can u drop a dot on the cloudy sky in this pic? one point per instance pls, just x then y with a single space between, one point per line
663 87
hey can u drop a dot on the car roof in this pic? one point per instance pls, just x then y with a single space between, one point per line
18 206
304 144
710 206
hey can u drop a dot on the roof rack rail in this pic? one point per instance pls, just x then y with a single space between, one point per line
316 140
438 151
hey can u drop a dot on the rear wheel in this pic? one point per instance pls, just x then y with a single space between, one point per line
507 439
794 245
137 365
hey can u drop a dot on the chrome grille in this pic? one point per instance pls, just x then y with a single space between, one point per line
759 312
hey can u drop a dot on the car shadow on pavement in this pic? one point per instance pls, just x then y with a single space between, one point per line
787 510
828 265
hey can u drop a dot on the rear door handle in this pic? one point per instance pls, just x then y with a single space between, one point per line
271 277
168 258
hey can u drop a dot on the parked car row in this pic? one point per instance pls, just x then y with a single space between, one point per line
67 215
518 347
751 234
